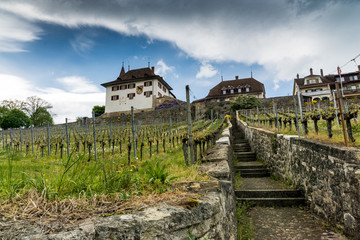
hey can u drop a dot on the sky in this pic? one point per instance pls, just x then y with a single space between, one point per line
62 50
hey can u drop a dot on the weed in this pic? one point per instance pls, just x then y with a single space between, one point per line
245 230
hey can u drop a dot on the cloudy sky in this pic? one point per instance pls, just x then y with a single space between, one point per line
62 50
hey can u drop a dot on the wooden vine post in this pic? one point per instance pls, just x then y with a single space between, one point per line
188 110
133 131
94 134
339 99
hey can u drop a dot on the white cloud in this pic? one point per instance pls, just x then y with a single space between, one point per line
14 31
82 44
77 100
285 37
162 69
78 84
206 71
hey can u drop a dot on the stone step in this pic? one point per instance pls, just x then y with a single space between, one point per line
240 140
243 149
252 170
269 193
246 159
245 154
240 167
255 174
274 202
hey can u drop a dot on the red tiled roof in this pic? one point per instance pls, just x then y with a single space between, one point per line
255 87
136 75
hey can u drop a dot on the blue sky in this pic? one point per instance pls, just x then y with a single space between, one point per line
63 50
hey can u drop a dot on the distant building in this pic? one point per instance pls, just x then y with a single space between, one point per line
139 88
230 89
315 87
351 83
320 87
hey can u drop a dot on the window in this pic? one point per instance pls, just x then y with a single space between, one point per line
147 84
306 90
131 95
353 87
321 89
164 89
115 88
159 85
148 93
159 94
358 86
231 90
351 78
123 87
338 79
131 85
224 91
355 77
239 90
115 97
247 89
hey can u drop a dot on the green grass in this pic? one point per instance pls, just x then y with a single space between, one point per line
63 178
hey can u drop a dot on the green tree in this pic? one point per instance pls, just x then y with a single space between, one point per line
3 111
245 102
15 119
41 117
98 110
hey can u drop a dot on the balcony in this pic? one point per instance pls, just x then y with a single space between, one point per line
317 93
351 92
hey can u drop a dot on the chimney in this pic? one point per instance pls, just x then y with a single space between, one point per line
153 69
321 72
311 71
297 76
237 77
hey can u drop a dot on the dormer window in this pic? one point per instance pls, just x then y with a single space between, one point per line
224 91
247 89
231 90
239 90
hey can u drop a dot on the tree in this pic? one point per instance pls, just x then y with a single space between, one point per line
98 110
14 104
15 119
245 102
33 103
41 117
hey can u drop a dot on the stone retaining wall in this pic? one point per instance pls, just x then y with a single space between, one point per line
328 175
213 215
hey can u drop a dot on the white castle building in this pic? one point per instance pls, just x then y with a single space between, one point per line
138 88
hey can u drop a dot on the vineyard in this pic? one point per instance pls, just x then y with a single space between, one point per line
321 121
122 158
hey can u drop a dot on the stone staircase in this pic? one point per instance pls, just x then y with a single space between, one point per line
257 186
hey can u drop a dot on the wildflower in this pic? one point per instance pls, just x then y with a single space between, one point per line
118 171
228 116
121 165
133 166
131 170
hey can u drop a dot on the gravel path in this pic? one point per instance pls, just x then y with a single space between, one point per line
289 223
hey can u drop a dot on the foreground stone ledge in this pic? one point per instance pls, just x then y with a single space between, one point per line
212 215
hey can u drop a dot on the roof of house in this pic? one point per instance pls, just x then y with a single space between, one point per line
255 87
136 75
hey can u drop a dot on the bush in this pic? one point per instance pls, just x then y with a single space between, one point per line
245 102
